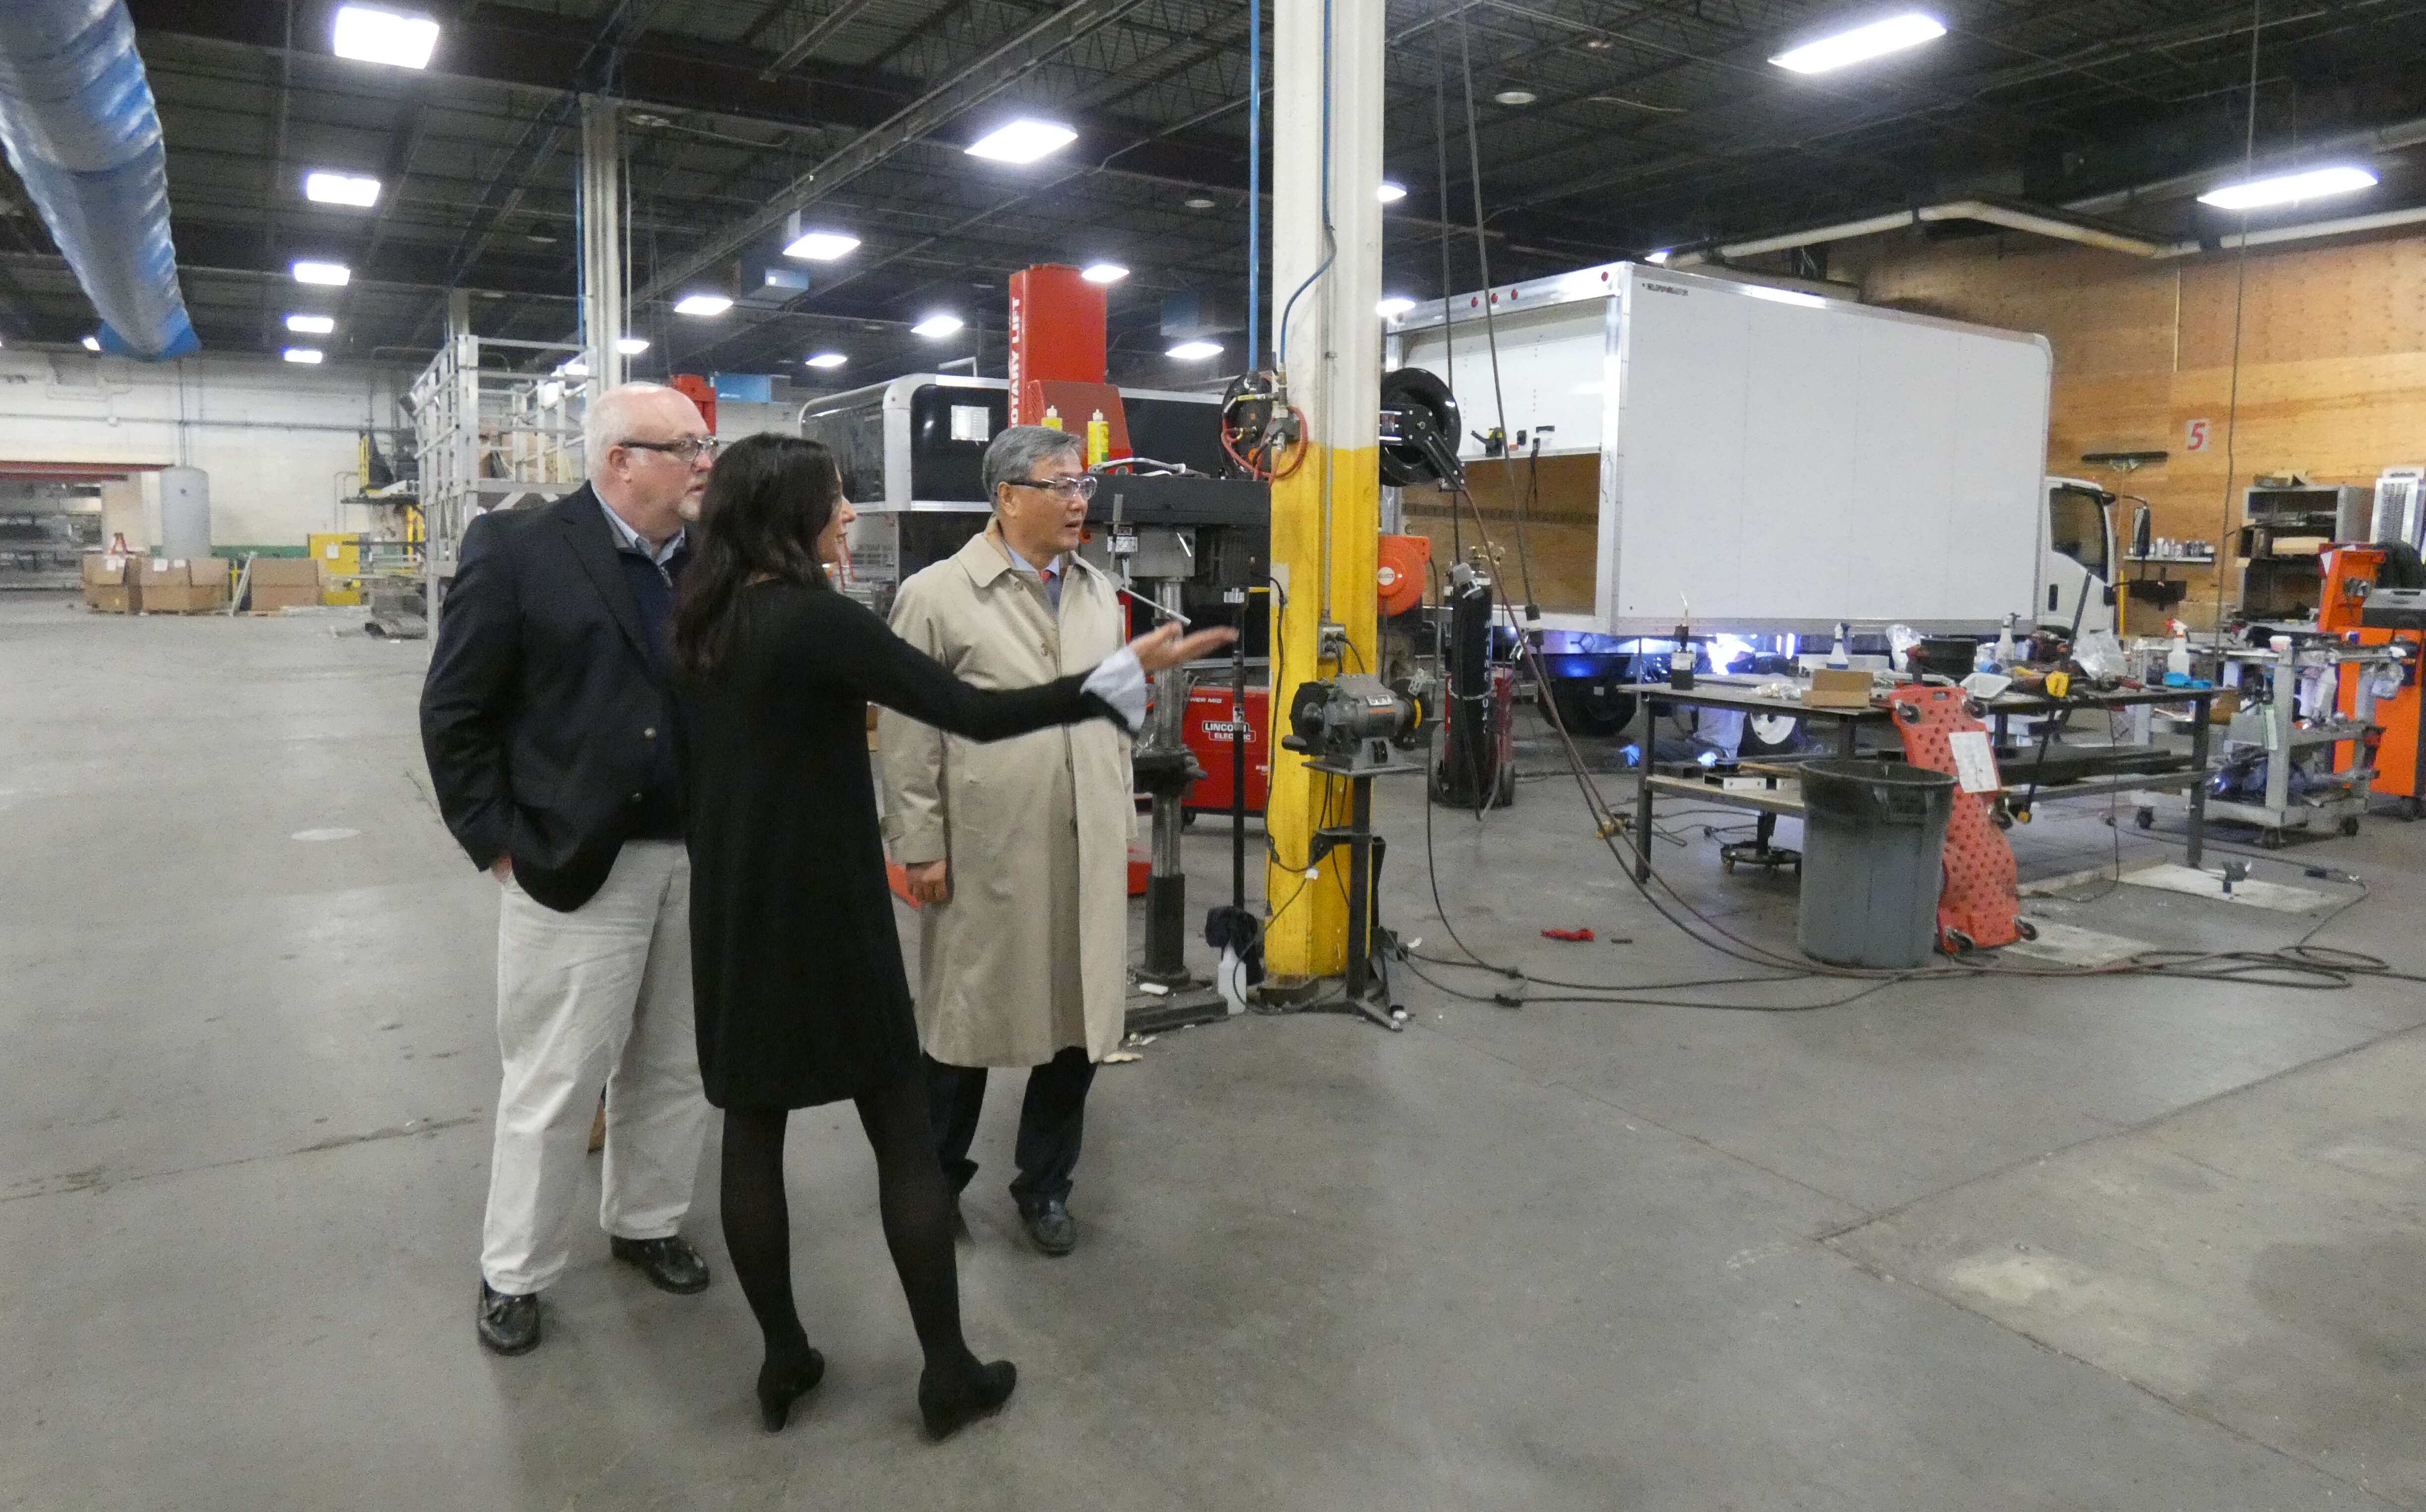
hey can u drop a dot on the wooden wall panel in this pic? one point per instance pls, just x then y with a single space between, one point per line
1562 535
2332 357
2108 317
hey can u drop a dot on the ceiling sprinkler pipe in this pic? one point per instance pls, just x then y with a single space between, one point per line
1870 227
2392 139
2012 219
2346 226
2044 225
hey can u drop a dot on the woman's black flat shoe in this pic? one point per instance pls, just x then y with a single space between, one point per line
947 1409
778 1389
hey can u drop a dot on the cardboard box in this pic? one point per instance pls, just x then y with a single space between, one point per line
1836 690
284 583
107 587
180 585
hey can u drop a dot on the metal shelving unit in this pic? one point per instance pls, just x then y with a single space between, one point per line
488 436
45 529
2333 794
2279 585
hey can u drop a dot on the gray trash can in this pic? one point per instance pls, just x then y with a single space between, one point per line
1873 837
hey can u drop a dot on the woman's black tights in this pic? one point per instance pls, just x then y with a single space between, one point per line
917 1212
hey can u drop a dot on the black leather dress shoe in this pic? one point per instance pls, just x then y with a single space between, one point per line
671 1263
1050 1225
507 1325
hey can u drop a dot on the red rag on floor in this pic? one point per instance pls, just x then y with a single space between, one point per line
1581 936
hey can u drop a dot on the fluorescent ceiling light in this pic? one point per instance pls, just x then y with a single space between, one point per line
1892 34
828 359
336 275
306 355
701 304
93 344
341 188
1390 193
1023 142
631 346
1762 291
1391 309
2285 188
573 367
1659 258
935 328
310 325
1105 273
376 36
1197 201
1196 351
823 246
1516 97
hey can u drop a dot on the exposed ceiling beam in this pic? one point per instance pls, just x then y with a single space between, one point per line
980 81
511 46
815 37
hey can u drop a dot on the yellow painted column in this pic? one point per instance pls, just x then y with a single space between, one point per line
1326 516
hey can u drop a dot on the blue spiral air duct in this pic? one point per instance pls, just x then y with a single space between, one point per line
77 119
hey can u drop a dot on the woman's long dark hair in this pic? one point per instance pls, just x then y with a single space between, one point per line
767 502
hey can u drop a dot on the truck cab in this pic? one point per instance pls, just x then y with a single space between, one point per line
2078 565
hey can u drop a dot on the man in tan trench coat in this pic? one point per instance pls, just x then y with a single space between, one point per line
1017 852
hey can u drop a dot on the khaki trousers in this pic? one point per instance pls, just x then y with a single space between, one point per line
600 995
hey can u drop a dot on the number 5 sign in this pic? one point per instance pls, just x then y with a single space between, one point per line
2196 436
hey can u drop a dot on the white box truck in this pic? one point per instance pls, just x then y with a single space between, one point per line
1768 460
1779 460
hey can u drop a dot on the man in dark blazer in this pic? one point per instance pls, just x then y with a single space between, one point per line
548 723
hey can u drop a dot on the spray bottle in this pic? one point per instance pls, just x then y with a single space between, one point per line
2177 661
1840 658
2006 656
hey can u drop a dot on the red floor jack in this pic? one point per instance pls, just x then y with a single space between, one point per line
1981 906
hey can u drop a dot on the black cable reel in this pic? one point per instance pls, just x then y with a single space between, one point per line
1420 424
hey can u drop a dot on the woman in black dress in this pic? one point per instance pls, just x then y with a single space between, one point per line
797 971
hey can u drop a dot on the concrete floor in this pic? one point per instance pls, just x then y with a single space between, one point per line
2114 1244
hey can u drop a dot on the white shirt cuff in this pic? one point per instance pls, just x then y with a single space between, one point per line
1119 681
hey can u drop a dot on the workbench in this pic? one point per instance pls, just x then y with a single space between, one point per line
1771 804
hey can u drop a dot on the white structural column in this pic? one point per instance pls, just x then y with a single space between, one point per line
1326 516
603 275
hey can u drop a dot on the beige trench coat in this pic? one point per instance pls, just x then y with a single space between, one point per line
1031 954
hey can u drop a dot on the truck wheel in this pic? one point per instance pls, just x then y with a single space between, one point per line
2145 818
1768 734
2349 826
1591 706
2271 839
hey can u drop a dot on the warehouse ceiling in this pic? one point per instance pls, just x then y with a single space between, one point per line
1604 128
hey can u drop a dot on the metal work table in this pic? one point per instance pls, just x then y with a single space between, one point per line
1772 804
